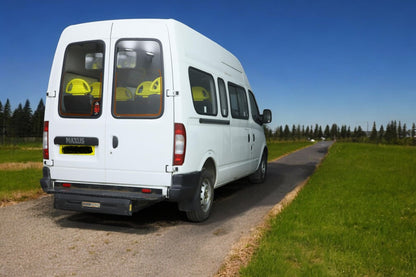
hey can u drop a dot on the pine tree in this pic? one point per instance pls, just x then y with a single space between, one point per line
16 121
399 131
381 134
414 133
293 133
334 131
327 134
373 136
343 133
404 131
37 120
316 132
7 114
286 133
26 123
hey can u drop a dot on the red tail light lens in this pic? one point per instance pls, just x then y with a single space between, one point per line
180 144
46 140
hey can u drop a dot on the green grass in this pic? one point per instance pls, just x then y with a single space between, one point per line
20 154
20 184
277 149
355 217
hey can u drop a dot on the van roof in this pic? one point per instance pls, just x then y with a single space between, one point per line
188 41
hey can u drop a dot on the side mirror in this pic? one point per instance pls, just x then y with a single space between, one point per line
266 116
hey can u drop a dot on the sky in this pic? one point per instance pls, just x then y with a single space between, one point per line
349 62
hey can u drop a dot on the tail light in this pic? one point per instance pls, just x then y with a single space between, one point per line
46 140
180 144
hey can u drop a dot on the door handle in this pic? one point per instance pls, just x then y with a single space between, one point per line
248 137
115 142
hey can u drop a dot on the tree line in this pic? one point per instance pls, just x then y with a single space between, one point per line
394 133
22 122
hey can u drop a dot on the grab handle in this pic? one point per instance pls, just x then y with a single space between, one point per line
115 142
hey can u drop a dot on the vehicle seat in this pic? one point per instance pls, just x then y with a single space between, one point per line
147 88
96 89
123 94
78 86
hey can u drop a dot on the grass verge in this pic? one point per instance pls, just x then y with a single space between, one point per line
19 185
20 154
355 217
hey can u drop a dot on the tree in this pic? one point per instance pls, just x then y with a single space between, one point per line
327 134
26 124
7 114
381 134
286 133
16 122
334 131
37 120
373 136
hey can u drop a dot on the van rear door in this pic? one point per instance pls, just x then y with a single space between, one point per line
140 126
75 99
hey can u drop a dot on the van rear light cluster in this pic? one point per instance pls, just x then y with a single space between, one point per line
180 144
46 140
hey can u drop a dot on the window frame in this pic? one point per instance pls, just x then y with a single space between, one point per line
213 94
240 91
114 86
223 95
253 101
61 84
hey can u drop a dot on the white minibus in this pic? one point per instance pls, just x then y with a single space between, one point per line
145 110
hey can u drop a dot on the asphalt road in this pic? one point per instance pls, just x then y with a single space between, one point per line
36 240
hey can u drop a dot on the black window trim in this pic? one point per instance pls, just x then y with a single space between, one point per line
215 93
245 94
61 89
226 97
138 116
255 119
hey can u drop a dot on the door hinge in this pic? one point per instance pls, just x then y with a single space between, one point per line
48 162
170 169
51 93
171 93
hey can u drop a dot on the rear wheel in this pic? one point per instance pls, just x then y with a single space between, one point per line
259 176
204 198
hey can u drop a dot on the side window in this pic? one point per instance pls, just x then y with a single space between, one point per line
255 114
82 80
203 92
223 97
238 101
138 79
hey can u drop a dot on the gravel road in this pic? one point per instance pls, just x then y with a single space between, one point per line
36 240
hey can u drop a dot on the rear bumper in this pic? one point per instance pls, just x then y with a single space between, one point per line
99 198
116 199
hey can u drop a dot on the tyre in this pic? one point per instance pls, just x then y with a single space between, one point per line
259 176
204 198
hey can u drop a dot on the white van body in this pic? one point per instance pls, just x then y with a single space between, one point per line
140 111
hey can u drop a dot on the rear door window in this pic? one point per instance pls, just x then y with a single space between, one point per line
138 79
82 80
